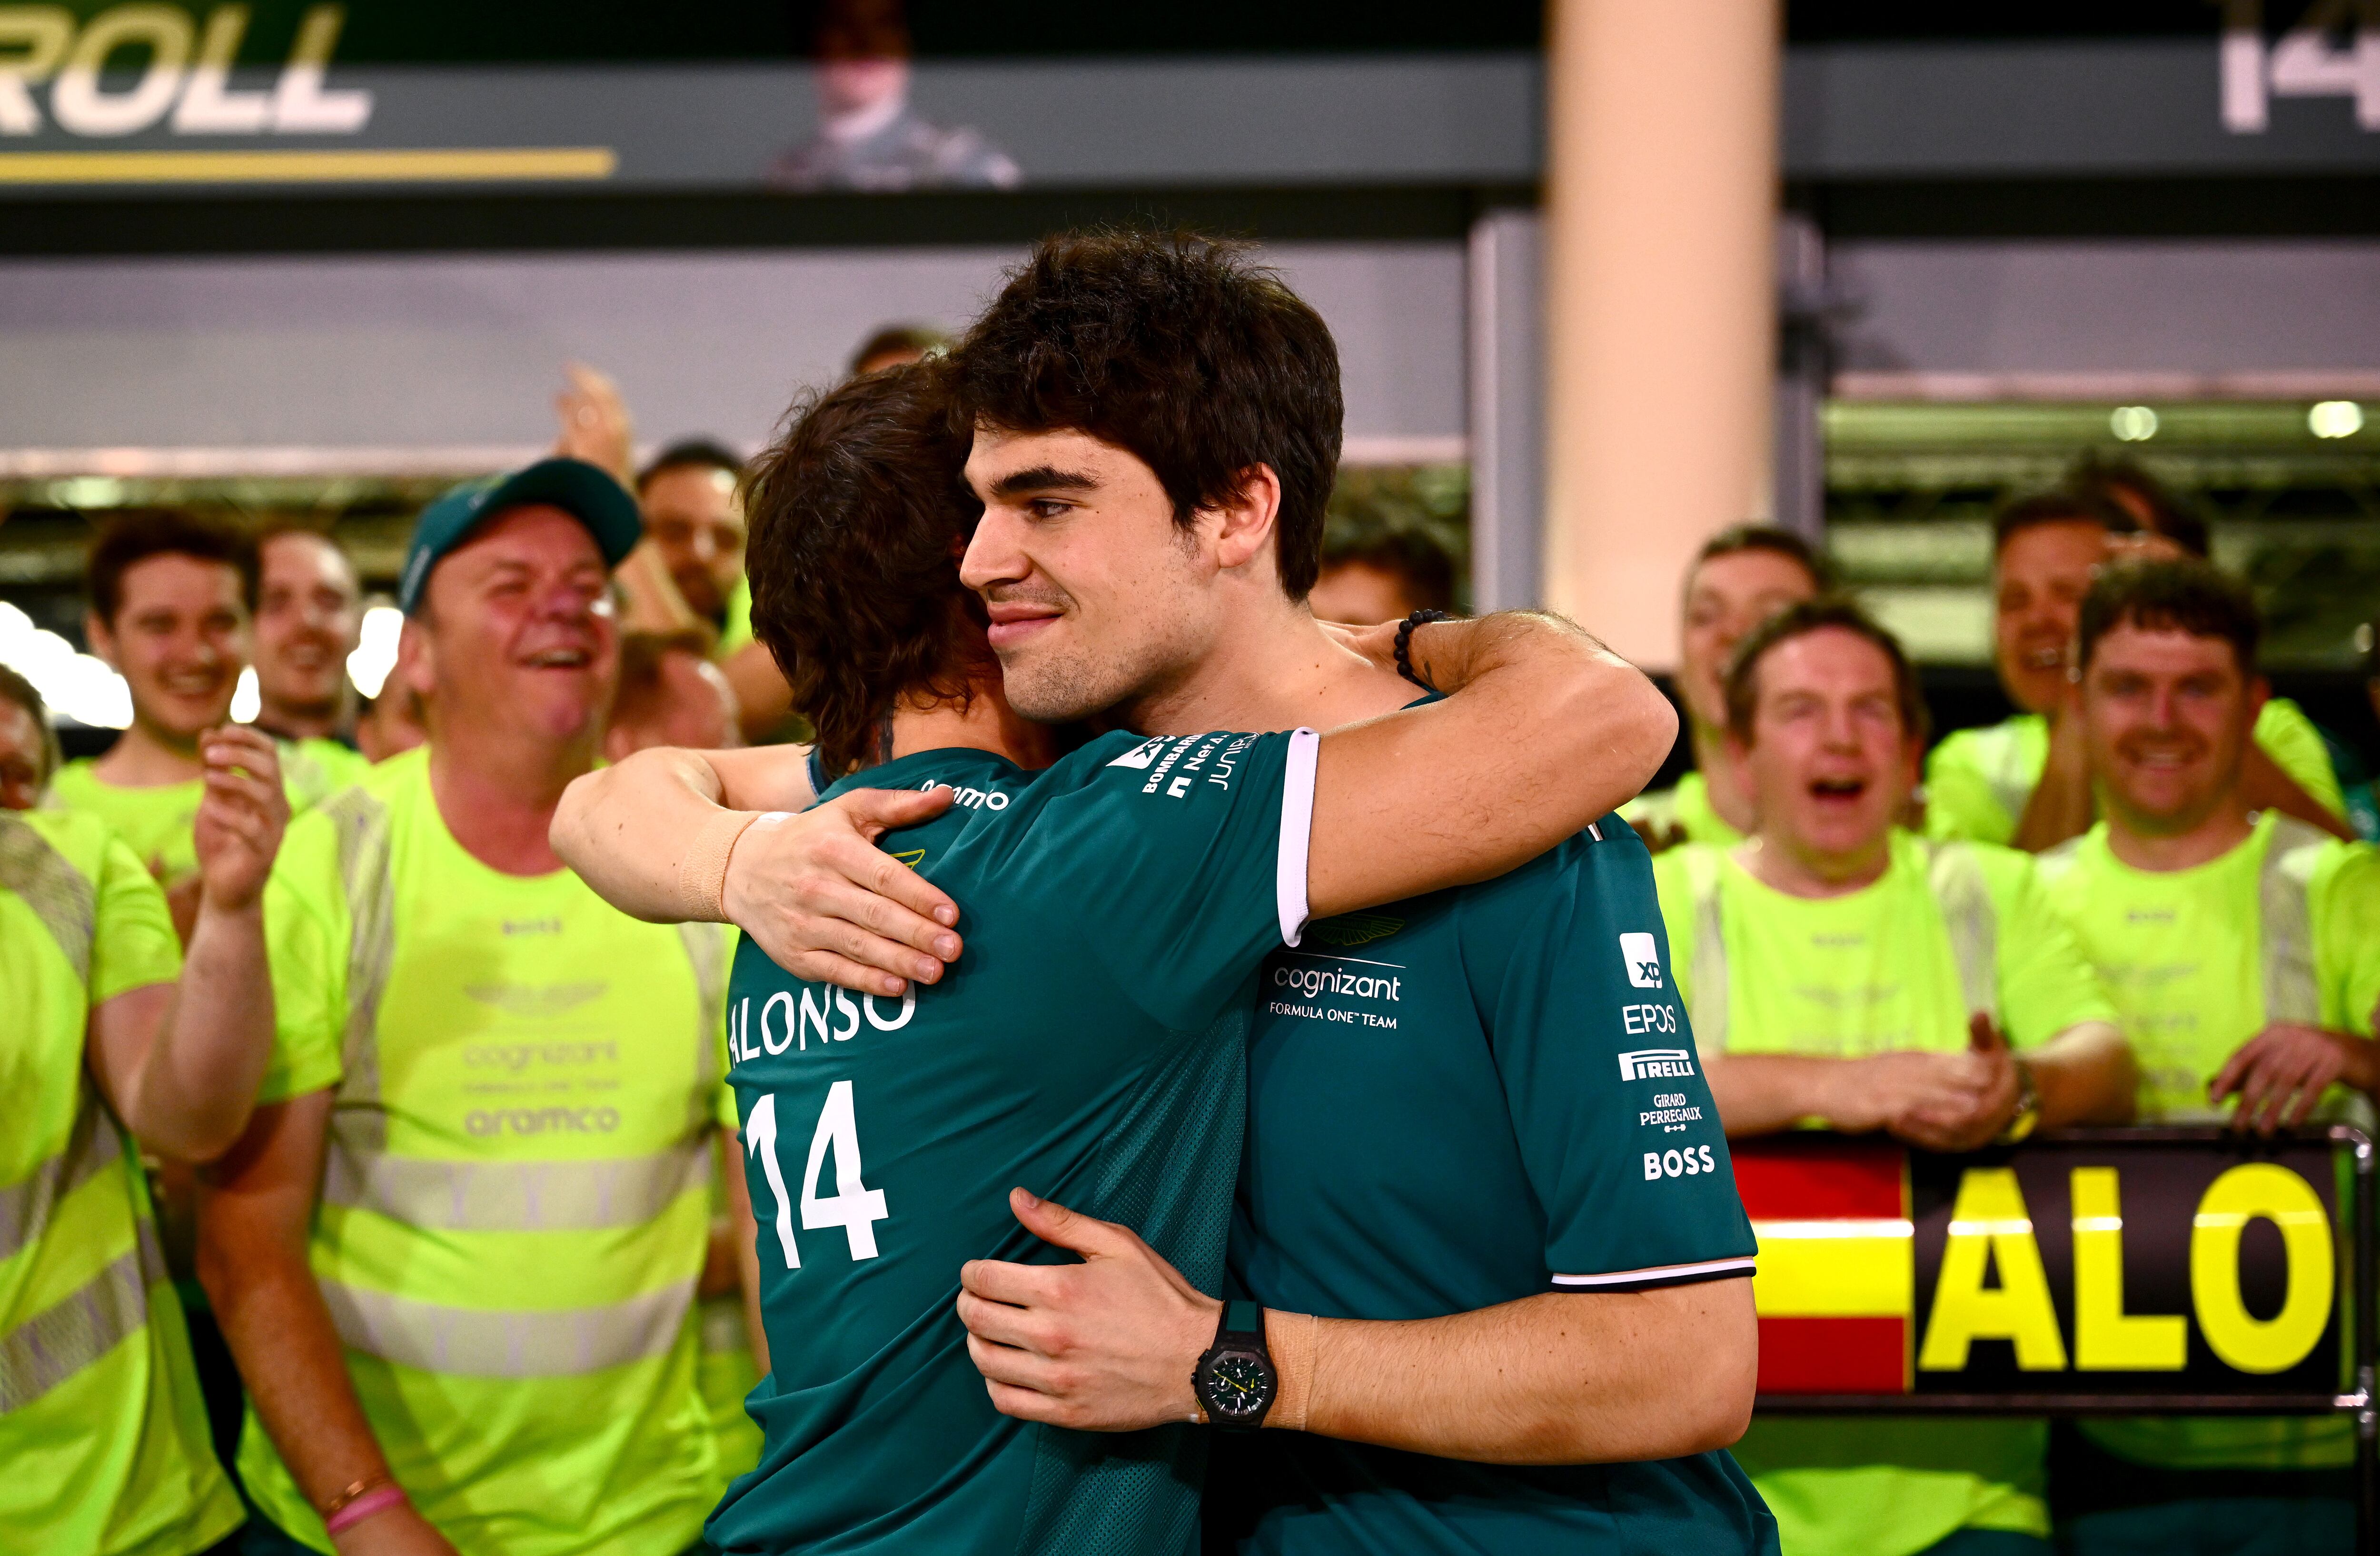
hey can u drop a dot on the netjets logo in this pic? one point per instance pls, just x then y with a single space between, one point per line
1143 755
1653 1063
1642 962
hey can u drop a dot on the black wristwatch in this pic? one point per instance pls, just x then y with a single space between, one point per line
1235 1379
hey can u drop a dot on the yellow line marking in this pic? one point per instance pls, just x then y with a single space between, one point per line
325 166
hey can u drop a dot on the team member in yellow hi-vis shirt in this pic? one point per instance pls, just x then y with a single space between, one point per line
102 1430
2244 954
171 600
2024 780
1740 579
308 619
1839 970
504 1092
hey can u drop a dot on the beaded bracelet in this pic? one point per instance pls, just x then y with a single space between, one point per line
1405 645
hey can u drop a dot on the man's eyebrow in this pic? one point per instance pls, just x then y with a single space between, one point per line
1042 477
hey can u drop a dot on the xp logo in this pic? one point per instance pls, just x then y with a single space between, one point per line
1143 754
1650 1064
1642 962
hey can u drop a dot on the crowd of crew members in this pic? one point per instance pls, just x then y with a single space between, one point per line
287 1300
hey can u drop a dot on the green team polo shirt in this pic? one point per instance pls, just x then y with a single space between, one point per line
103 1429
1978 781
1090 1046
516 1198
156 823
2286 926
1869 972
1688 807
1460 1100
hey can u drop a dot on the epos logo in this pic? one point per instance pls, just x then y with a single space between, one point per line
1644 963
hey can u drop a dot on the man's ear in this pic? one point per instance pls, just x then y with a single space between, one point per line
1241 525
101 641
417 658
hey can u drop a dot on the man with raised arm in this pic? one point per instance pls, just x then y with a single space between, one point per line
2026 781
2243 950
455 1251
102 1422
1155 428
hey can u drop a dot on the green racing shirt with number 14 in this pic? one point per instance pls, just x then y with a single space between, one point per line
1091 1047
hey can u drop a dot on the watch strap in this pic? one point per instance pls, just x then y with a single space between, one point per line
1242 1320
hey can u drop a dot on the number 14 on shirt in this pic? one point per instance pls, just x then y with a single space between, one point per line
855 1207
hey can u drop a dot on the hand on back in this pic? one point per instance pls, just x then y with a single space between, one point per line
816 893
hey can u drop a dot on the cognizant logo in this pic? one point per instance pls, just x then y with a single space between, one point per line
1313 981
1648 1064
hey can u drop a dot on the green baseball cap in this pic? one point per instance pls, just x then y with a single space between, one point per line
584 492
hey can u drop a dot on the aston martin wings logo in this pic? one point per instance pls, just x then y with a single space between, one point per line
1354 928
522 999
913 857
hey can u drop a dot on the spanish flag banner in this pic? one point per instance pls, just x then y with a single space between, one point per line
1838 1264
2144 1265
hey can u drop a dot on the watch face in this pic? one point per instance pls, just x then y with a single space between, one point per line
1238 1384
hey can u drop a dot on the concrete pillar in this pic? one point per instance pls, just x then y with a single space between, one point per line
1661 309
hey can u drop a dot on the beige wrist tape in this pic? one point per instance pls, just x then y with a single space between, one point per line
1291 1338
702 873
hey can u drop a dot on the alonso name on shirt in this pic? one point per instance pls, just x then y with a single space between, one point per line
823 1014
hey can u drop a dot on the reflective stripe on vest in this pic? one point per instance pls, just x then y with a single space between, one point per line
67 904
478 1343
1707 1000
26 1206
363 834
465 1195
1969 919
1957 878
54 1345
2292 992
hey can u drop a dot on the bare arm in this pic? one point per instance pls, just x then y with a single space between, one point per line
1561 1378
812 888
1940 1101
256 1208
740 1227
1543 730
2062 805
762 698
181 1069
2263 785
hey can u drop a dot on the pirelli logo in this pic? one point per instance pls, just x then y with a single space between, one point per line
1650 1064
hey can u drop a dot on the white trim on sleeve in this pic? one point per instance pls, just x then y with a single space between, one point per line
1660 1275
1297 831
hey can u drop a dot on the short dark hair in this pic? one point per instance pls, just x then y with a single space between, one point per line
2110 480
1799 620
922 339
857 509
692 453
1179 349
1737 538
1379 518
2185 596
139 534
2036 508
15 689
